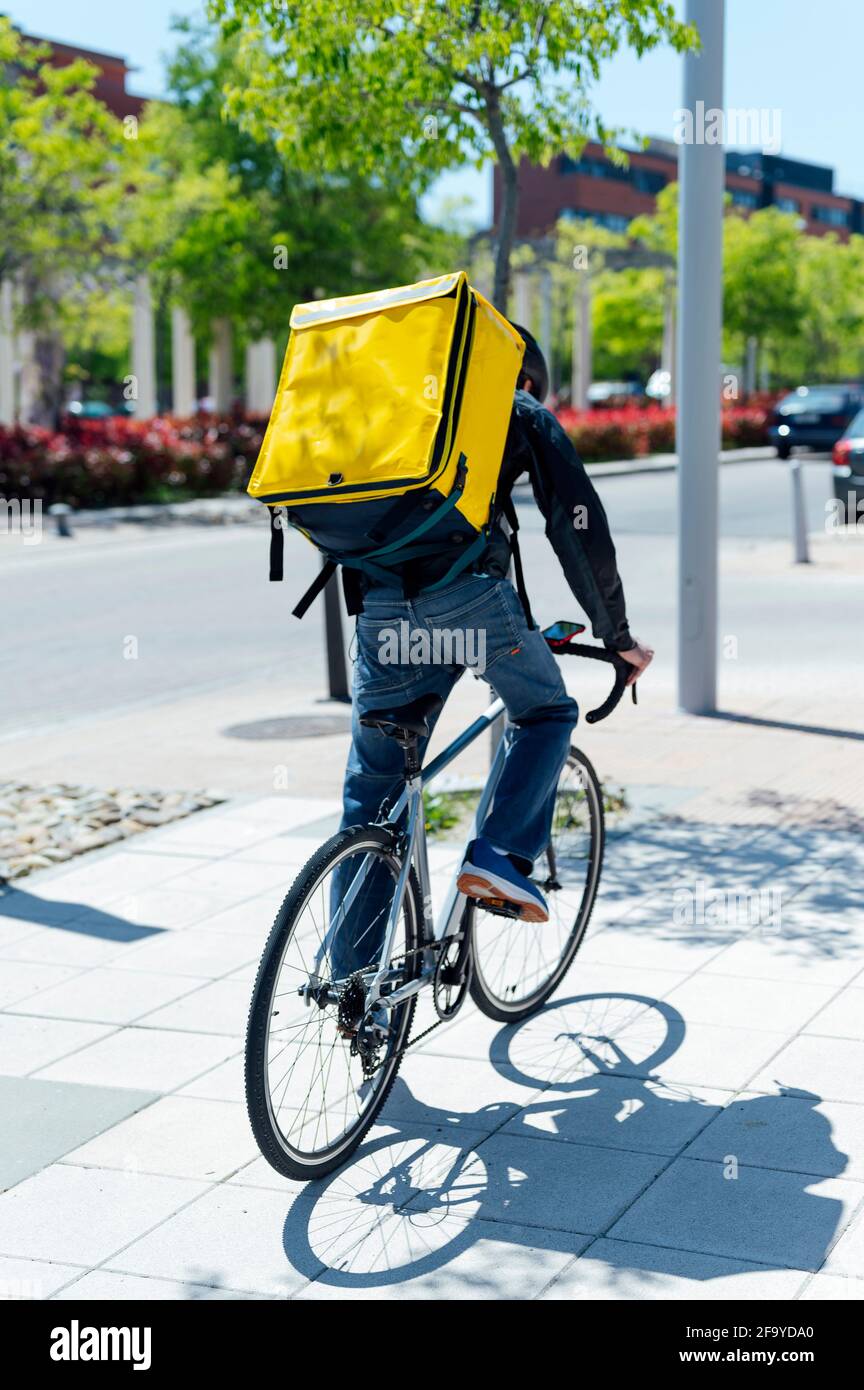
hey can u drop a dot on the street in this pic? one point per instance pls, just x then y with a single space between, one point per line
66 656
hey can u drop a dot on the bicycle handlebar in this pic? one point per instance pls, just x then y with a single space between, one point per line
622 670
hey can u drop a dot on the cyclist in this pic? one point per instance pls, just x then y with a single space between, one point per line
518 664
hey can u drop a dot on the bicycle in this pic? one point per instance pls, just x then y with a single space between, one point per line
346 1036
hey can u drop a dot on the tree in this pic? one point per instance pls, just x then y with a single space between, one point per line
761 266
62 156
229 228
401 92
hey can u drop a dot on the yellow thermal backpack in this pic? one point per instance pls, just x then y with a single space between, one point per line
387 434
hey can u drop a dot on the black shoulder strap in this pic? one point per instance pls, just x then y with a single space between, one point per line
321 579
277 543
510 513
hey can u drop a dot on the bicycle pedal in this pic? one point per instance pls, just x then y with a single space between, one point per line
500 907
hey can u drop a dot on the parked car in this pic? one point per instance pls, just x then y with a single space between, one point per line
813 417
607 395
848 456
96 410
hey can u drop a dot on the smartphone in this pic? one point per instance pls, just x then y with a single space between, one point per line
561 632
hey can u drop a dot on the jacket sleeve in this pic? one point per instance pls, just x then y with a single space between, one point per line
576 523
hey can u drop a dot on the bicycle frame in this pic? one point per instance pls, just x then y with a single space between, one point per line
415 852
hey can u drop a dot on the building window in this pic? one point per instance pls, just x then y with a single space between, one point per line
832 217
592 168
743 198
648 180
615 221
787 204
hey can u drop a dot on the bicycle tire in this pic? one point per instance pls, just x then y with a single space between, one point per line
282 1156
512 1010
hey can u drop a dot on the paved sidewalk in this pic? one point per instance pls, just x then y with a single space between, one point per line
684 1119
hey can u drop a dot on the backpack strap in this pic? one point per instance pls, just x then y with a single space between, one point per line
277 544
510 513
322 577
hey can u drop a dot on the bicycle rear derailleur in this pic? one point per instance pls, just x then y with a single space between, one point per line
366 1036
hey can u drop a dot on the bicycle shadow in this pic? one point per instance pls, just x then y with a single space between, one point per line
595 1152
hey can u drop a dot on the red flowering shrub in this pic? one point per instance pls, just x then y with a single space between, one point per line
632 433
116 462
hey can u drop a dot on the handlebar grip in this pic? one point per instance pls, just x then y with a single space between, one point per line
622 671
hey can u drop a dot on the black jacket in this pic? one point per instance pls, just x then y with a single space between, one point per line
576 523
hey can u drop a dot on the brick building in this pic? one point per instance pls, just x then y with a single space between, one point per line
592 186
110 85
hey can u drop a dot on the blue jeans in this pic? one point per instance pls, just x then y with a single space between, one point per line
479 622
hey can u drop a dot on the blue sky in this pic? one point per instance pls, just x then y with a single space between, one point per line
802 59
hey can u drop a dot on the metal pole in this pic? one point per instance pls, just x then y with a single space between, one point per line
698 388
337 674
799 514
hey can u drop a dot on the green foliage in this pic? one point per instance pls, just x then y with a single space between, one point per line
62 161
400 93
231 229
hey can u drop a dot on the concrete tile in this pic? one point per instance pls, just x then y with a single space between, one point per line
847 1257
618 1269
833 1288
52 1117
74 945
83 1215
157 1059
816 957
222 1082
796 1133
720 1057
234 881
196 954
780 1219
728 1001
617 1112
107 996
106 1286
253 917
167 907
235 1238
115 875
537 1182
654 948
416 1258
179 1136
221 1006
21 980
29 1043
32 1279
843 1017
442 1090
833 1068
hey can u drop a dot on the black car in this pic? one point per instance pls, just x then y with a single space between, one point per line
813 417
848 456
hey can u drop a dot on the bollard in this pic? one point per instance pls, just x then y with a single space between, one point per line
337 675
61 513
799 516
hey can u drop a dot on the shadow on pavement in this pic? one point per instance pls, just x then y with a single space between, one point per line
597 1153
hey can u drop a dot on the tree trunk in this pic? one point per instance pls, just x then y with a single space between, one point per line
41 397
509 203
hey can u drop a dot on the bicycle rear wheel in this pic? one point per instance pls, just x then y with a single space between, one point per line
518 964
311 1094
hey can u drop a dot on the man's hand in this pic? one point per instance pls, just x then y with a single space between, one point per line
639 657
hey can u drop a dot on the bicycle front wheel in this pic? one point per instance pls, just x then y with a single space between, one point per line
518 964
311 1091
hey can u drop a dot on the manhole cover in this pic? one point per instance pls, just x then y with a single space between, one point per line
292 726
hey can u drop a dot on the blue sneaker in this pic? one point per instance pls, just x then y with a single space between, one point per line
491 877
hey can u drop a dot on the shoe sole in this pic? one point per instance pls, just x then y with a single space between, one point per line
475 886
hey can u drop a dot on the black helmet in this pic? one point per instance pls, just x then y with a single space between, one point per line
533 365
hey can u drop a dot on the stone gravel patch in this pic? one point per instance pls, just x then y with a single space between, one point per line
43 826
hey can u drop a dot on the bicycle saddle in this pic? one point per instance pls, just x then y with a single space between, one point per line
404 720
